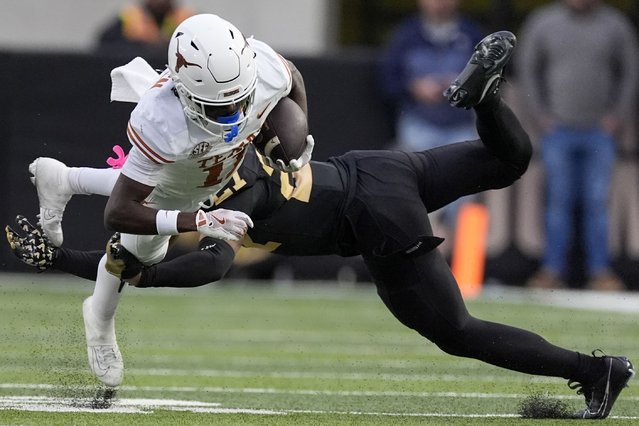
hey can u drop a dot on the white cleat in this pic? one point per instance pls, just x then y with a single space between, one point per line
105 358
51 179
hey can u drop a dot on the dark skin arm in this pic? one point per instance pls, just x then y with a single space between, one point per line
125 212
298 89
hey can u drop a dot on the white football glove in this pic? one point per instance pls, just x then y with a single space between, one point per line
293 165
224 224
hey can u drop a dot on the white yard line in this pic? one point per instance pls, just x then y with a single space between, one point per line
311 392
121 406
147 406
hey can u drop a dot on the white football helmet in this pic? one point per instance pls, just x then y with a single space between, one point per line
215 74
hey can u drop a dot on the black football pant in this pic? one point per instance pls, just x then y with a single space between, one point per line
495 161
421 291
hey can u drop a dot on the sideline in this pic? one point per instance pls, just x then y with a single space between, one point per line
617 302
620 302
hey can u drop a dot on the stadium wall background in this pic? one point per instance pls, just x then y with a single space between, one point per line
58 105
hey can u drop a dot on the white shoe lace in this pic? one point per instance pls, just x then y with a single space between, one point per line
108 355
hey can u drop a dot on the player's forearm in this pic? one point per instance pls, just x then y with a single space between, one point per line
125 212
134 218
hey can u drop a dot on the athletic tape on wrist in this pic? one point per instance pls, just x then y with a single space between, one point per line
166 222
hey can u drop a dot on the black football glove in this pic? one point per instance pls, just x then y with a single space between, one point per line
34 248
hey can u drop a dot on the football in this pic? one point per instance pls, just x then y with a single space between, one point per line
283 135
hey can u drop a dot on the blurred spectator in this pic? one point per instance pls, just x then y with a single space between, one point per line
578 67
421 60
143 28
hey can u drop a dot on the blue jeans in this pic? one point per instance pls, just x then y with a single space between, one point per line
415 134
578 165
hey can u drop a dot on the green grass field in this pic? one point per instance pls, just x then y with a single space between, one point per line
238 354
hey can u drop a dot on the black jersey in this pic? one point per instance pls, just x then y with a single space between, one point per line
363 202
374 203
293 213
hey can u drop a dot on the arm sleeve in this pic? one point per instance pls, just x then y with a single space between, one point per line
140 169
209 264
150 148
83 264
273 70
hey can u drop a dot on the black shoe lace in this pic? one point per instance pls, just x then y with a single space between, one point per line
495 52
580 388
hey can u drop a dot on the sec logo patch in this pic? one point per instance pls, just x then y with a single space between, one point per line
200 149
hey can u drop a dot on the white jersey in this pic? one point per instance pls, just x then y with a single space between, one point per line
183 162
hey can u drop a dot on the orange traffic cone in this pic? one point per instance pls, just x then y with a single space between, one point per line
469 249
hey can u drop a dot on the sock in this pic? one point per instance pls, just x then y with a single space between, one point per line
106 294
88 181
588 369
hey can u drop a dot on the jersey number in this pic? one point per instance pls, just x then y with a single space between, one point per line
214 172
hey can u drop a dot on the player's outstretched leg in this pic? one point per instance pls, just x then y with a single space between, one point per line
482 75
51 179
422 293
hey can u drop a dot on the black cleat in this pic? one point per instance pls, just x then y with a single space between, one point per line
34 248
482 75
602 393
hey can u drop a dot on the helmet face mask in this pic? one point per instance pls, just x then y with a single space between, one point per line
215 74
222 120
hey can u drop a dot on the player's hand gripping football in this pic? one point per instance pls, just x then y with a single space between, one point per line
293 165
120 262
34 248
224 224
